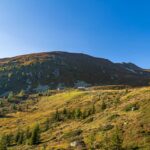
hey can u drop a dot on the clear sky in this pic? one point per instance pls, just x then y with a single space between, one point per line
115 29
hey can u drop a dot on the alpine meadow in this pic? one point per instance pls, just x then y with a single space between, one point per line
74 75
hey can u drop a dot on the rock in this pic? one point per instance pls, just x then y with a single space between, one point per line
79 145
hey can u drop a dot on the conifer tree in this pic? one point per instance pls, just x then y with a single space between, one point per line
1 103
65 111
106 142
17 135
93 109
103 105
3 143
69 114
47 124
117 140
10 96
57 116
21 138
84 114
72 114
27 135
14 107
78 113
89 112
9 139
35 137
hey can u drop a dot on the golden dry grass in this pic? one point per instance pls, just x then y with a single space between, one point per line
130 121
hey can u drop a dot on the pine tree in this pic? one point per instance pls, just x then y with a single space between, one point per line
65 111
57 116
10 96
72 116
93 109
17 135
91 140
1 103
14 107
47 124
21 138
35 137
27 133
2 112
106 142
3 143
78 113
89 112
117 140
9 139
68 114
103 105
84 114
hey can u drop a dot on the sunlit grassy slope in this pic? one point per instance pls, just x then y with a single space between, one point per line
120 111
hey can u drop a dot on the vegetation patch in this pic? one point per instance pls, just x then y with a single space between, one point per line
132 107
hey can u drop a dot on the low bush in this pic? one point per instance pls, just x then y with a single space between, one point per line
131 107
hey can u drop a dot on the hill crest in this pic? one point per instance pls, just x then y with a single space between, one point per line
54 69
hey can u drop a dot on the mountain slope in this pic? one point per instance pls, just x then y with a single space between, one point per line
50 70
101 110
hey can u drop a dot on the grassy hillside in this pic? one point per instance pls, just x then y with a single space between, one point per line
94 116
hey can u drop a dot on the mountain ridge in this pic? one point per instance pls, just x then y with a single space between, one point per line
66 52
57 68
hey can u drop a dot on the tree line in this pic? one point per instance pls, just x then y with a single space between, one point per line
29 136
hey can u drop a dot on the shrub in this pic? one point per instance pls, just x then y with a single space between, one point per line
131 107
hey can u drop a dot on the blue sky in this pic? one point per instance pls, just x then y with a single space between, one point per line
115 29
